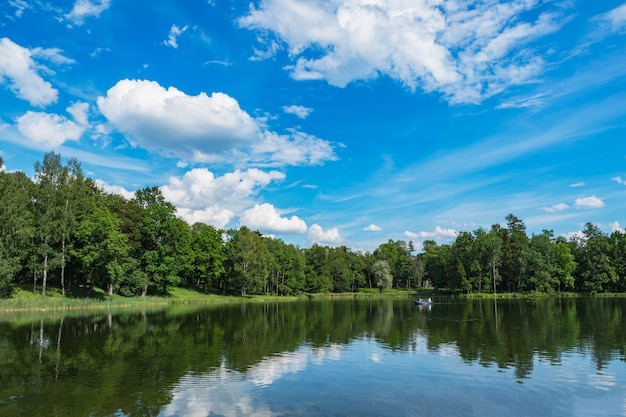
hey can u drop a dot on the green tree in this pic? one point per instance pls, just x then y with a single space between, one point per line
208 256
382 274
17 226
287 270
541 262
564 266
618 247
461 258
102 249
436 262
160 230
50 213
318 276
514 248
596 272
249 259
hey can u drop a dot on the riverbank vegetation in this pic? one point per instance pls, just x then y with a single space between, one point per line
60 231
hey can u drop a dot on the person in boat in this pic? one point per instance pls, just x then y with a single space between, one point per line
429 300
421 300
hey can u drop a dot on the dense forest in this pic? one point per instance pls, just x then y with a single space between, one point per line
59 229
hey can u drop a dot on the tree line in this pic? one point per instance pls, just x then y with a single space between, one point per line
60 229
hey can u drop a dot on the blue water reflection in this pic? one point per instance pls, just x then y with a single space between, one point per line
365 378
362 358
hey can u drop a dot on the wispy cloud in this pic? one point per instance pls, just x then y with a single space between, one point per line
466 50
86 8
300 111
175 32
614 20
438 234
555 208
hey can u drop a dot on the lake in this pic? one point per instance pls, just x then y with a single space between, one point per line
383 357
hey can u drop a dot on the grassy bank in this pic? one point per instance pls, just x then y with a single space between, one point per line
23 299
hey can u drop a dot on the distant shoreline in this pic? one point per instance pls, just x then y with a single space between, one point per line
23 301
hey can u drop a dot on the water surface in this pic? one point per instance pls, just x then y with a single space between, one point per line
320 358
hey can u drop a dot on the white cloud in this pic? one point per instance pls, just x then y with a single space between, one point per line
577 235
590 202
319 235
48 130
297 148
175 32
53 55
555 208
266 218
616 227
577 184
20 5
79 112
438 233
615 19
300 111
200 196
20 70
86 8
465 49
215 216
194 127
619 180
114 189
372 228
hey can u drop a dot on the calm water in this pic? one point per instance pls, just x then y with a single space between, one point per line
332 358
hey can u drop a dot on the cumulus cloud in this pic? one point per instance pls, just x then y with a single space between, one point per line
114 189
86 8
300 111
555 208
577 235
169 120
438 233
266 218
200 196
296 148
48 130
590 202
616 227
175 32
20 71
619 180
372 228
318 235
466 50
79 112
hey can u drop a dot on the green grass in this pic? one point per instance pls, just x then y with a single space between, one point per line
23 299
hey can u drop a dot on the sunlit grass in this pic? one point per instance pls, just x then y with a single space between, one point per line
25 299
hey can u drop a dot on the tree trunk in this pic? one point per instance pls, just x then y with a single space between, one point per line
63 267
45 275
63 251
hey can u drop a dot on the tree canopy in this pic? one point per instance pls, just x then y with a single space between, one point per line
60 229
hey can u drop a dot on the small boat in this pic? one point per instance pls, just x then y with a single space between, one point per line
423 302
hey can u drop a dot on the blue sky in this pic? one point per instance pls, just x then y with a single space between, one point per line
338 122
